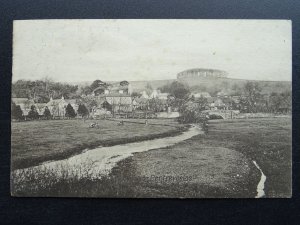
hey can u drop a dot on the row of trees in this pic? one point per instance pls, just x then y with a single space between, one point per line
17 113
42 90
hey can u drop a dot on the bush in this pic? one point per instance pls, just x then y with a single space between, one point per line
82 110
70 112
215 117
33 114
16 112
47 113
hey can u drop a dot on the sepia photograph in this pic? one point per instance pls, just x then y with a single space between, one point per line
151 108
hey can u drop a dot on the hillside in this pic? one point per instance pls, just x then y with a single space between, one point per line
213 85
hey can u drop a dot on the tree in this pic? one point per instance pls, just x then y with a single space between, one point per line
86 90
70 112
179 90
124 83
191 112
97 83
280 101
82 110
47 113
252 92
136 95
33 114
16 112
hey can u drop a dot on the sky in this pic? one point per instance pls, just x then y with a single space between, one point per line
113 50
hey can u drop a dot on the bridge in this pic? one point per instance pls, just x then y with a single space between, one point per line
225 114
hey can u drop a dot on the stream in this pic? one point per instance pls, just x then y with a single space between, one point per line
99 161
261 184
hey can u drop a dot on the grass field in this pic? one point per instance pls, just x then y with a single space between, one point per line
218 164
34 142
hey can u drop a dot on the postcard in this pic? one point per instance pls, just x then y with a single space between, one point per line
117 108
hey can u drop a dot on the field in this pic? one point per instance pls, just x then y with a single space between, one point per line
34 142
218 164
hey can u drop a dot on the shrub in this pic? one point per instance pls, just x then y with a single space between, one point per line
47 113
70 112
33 114
16 112
82 110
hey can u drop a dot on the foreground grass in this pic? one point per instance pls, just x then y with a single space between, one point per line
268 141
34 142
218 164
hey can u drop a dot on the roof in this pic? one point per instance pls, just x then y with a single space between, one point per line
203 94
117 95
112 87
123 100
58 101
211 99
141 100
18 101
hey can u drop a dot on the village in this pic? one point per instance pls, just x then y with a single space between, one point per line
118 100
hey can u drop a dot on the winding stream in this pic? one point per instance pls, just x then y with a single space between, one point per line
100 161
261 185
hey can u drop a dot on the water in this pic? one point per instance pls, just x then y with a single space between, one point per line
261 185
100 161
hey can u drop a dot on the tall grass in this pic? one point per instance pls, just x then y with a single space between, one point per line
64 181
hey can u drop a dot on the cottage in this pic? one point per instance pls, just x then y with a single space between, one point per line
215 103
157 94
201 94
122 87
58 107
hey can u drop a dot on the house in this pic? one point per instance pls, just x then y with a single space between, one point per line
215 103
24 103
144 95
58 107
157 94
114 103
122 87
201 94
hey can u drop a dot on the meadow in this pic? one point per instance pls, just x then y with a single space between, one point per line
217 164
34 142
221 162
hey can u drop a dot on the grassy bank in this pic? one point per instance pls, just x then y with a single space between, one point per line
34 142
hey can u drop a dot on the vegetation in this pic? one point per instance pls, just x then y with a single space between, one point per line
38 141
176 89
218 164
42 90
33 114
191 111
82 110
16 112
47 114
70 112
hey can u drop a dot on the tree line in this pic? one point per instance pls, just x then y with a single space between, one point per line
17 113
42 90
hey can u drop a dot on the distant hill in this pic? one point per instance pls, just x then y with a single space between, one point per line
213 85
